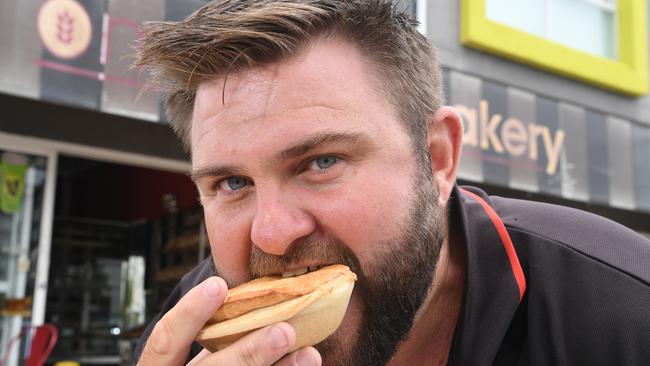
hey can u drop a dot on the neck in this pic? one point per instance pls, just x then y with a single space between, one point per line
429 340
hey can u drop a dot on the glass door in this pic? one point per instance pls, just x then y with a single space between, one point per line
22 197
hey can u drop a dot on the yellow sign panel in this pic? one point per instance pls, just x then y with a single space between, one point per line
12 186
627 74
64 27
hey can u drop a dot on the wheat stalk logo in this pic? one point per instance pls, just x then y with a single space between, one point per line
65 27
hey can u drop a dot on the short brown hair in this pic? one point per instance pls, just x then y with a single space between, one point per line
230 35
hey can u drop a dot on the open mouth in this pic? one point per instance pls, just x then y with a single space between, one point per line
301 271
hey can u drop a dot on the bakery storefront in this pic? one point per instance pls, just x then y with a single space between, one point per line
98 219
517 143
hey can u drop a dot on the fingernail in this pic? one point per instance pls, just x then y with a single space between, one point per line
278 338
306 357
211 287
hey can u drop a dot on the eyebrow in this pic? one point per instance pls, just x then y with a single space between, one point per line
309 144
213 171
321 139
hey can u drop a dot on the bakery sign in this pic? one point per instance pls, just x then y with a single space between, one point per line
510 135
64 27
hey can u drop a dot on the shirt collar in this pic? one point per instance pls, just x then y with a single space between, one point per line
491 294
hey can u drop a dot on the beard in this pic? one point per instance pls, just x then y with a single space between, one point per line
392 286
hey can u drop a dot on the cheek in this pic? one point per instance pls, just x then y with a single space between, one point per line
366 215
229 243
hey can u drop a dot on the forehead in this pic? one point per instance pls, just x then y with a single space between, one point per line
327 81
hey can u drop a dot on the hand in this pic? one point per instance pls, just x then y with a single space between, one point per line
171 338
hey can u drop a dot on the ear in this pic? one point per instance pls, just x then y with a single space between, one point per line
445 137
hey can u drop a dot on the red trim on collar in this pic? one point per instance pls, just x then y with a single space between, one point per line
505 240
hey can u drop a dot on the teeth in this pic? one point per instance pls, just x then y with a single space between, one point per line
297 272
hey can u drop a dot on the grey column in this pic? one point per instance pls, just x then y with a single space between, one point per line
524 172
575 184
620 159
597 155
20 45
122 86
496 168
548 115
641 139
465 93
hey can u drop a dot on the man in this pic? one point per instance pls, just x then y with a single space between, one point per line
318 136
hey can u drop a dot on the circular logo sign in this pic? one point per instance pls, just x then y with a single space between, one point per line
64 27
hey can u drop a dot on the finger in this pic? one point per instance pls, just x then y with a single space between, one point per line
260 348
171 338
203 354
307 356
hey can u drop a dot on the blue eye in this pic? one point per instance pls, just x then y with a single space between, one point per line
325 162
233 183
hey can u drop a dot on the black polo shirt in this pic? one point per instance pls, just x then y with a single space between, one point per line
544 285
586 296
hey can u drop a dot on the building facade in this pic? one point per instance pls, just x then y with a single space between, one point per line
97 217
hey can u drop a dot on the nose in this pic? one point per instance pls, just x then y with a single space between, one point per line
278 222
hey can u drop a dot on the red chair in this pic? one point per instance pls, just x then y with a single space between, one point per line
40 342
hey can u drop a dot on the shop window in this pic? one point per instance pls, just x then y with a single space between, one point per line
586 25
602 42
122 237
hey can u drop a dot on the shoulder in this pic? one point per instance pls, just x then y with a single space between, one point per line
586 234
588 280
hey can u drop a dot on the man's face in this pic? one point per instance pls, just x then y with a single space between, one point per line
307 164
